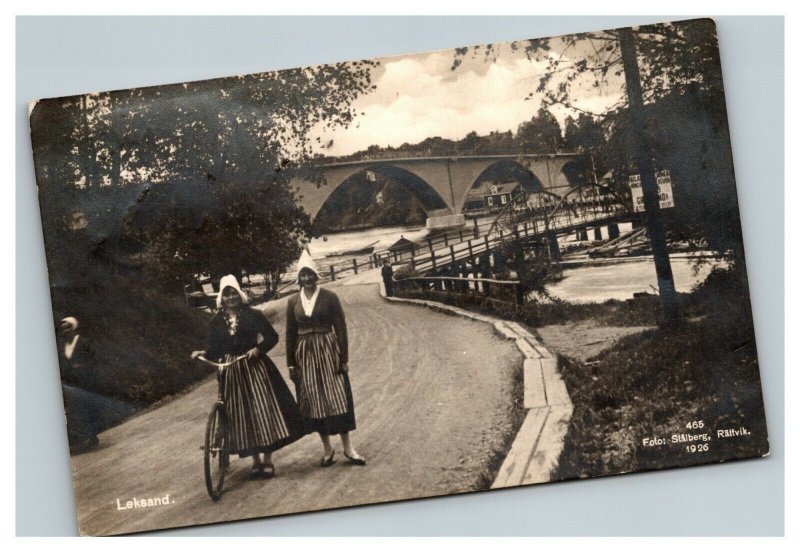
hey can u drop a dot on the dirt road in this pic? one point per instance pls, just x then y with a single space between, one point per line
433 397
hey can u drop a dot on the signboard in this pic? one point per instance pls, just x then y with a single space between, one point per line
665 197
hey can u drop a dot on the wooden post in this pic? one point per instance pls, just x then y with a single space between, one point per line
333 273
433 255
453 255
445 241
413 261
355 266
460 235
471 257
475 227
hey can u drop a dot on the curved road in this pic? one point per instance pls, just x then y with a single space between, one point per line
433 395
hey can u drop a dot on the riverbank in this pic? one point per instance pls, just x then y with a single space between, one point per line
649 398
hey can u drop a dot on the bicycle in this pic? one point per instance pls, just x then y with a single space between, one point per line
216 453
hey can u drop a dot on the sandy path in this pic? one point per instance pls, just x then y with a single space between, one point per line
584 340
432 395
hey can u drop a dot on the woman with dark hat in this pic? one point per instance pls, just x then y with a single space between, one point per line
262 414
316 353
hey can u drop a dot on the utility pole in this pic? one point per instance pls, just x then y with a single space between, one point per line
644 164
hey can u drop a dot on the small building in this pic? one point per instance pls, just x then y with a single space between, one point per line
492 196
401 250
498 195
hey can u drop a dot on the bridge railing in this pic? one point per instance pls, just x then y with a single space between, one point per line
461 291
455 245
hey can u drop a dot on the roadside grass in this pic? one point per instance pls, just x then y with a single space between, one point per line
653 384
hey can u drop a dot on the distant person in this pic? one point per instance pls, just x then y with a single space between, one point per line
262 414
317 355
388 277
79 408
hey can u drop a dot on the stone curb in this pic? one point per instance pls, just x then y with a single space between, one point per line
536 448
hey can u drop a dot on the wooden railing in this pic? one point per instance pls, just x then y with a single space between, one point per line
459 290
479 237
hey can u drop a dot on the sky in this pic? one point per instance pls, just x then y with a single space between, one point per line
419 96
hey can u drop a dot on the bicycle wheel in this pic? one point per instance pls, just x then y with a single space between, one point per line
215 452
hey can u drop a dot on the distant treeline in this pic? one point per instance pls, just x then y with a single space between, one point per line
541 134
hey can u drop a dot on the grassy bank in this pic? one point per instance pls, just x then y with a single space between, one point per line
138 340
652 385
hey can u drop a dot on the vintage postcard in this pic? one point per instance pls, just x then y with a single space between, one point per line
378 280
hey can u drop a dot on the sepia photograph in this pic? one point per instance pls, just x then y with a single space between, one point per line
377 280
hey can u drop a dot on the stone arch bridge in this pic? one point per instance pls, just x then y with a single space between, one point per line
442 184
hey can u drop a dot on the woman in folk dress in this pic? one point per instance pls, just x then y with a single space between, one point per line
316 353
262 414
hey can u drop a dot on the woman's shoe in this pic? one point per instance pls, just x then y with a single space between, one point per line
356 459
268 470
328 460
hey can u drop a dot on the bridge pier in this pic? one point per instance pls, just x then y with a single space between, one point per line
446 221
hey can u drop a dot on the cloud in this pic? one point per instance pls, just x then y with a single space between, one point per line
419 96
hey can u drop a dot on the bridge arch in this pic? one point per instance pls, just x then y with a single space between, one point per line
572 172
430 200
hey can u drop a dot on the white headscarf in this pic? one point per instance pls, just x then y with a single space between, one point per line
229 281
307 303
306 262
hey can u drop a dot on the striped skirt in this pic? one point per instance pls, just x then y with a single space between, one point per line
262 414
323 394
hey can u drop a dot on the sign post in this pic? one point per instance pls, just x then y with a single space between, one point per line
665 198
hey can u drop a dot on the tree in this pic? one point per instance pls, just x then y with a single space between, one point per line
541 134
585 135
676 65
194 165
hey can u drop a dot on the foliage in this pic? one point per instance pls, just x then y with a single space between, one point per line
139 340
686 123
406 271
541 134
167 165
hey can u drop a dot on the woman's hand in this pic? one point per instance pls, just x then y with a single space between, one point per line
343 368
196 354
253 353
294 374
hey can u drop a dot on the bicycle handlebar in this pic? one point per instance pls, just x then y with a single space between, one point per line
221 365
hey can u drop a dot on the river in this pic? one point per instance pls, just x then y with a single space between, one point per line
381 238
620 280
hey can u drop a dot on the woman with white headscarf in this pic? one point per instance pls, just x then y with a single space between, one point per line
317 356
262 414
